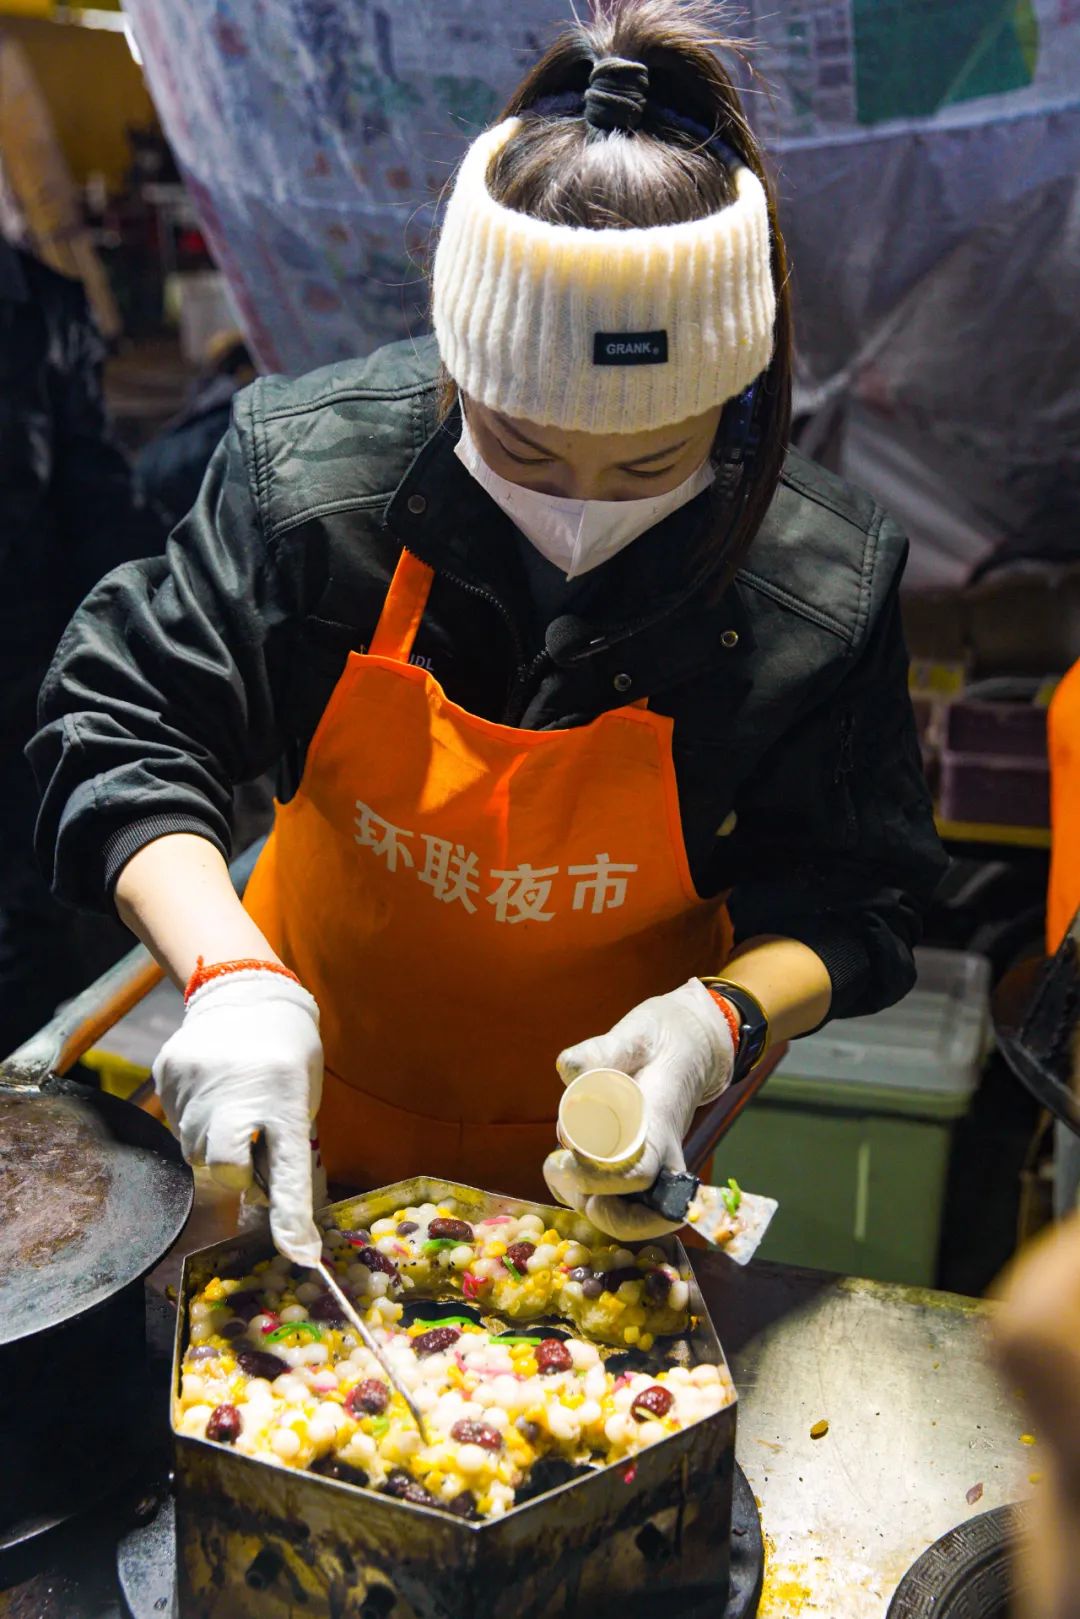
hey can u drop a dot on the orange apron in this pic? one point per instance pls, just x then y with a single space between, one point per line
464 899
1064 740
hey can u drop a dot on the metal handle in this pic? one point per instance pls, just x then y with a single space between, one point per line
713 1121
91 1013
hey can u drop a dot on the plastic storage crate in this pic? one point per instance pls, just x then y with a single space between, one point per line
852 1132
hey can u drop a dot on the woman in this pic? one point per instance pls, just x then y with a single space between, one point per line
578 681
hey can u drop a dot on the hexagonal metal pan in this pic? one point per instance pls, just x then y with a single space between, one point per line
259 1541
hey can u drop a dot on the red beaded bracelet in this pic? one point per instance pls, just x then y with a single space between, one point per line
204 974
731 1016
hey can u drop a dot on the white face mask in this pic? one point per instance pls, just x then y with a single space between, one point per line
577 535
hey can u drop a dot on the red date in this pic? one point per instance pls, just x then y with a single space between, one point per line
368 1399
224 1424
552 1356
652 1402
372 1258
518 1254
470 1432
430 1343
457 1229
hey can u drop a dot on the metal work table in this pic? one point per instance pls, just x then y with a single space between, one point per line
916 1420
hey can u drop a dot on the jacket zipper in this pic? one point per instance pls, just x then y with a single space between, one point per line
845 765
523 670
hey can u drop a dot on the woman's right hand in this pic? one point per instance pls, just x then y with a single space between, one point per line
246 1060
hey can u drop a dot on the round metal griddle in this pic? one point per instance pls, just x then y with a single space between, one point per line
968 1574
94 1192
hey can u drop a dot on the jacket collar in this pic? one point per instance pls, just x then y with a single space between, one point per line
650 607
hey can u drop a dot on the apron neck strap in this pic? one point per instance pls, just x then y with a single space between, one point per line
403 609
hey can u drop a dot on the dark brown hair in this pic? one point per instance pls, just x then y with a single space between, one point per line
560 168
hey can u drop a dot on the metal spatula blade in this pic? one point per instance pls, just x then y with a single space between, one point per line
726 1216
367 1338
260 1165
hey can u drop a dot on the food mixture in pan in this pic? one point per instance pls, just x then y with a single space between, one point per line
273 1370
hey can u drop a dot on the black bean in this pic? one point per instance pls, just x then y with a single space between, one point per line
407 1227
403 1488
331 1466
260 1363
326 1308
592 1287
463 1506
246 1305
203 1352
613 1279
657 1287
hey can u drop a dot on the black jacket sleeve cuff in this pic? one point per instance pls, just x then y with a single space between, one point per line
130 839
851 966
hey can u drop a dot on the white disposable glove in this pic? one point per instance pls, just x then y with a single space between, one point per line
246 1059
679 1049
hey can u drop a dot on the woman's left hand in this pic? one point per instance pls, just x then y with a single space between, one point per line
679 1049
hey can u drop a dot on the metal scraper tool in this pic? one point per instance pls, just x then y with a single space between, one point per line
260 1171
726 1216
368 1340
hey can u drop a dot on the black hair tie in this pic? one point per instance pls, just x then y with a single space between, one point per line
617 93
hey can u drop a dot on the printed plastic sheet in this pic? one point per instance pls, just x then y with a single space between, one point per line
927 154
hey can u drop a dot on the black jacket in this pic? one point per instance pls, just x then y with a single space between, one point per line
67 512
183 675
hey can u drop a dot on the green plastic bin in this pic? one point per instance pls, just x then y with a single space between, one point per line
852 1132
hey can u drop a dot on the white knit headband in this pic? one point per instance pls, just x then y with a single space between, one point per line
602 331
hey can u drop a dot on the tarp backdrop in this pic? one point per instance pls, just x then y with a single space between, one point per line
927 151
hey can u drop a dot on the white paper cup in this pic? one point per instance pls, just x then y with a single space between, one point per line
602 1118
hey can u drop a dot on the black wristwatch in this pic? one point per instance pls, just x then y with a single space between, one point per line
753 1025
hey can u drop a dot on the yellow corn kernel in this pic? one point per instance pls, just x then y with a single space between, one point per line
442 1211
572 1401
436 1478
693 1216
495 1250
213 1291
631 1334
646 1340
551 1237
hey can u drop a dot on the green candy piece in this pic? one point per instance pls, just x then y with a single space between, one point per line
279 1334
